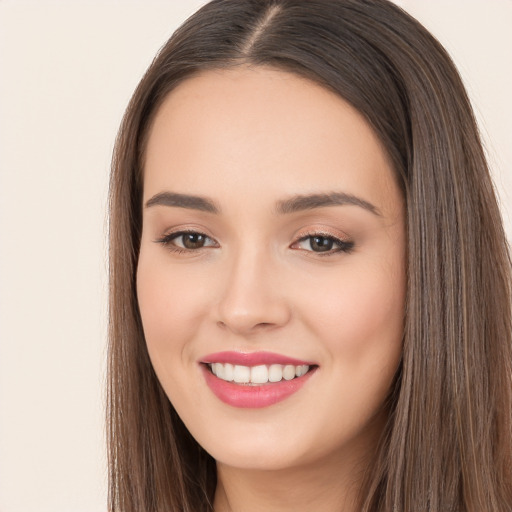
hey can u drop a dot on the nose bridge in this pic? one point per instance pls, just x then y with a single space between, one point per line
251 299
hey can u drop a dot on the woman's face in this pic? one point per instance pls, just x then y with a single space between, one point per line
272 253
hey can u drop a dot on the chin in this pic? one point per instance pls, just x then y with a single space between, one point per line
260 457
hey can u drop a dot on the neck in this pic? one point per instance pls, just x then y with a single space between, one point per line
329 487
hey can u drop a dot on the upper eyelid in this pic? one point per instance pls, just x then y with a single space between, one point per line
320 233
306 233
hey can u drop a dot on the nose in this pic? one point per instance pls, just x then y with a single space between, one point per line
253 297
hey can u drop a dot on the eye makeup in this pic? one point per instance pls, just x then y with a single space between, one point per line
320 243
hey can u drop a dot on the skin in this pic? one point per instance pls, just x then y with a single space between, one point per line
247 139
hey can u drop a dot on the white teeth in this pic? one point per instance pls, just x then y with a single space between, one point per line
301 370
289 372
260 374
241 374
228 372
219 370
275 373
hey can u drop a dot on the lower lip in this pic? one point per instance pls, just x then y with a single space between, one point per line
253 397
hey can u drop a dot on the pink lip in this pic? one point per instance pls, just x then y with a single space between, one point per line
252 358
249 396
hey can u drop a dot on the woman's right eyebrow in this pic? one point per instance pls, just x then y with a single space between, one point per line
183 201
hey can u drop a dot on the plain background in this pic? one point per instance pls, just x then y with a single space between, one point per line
67 71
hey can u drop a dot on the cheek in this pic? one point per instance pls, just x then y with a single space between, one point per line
360 325
170 304
170 299
361 315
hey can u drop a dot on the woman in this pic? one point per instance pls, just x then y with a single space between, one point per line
310 284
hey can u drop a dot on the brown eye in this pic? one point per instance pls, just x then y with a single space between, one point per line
192 240
321 243
187 240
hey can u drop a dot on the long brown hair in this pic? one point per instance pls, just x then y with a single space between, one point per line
447 445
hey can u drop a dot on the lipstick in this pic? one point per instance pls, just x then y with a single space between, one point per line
252 358
255 379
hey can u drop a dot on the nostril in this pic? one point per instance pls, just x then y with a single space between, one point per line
246 328
250 313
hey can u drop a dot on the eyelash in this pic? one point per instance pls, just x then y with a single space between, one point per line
167 241
343 246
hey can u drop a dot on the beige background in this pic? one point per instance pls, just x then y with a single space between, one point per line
67 70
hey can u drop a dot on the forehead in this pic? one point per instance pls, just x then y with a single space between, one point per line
263 131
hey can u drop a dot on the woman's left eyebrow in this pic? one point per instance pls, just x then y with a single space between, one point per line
311 201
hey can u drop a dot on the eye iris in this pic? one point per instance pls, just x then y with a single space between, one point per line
193 240
321 243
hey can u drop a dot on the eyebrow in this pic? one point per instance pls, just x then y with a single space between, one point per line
311 201
294 204
183 201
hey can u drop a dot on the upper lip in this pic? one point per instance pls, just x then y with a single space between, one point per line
252 358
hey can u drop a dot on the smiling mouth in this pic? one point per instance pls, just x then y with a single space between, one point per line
258 375
255 380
